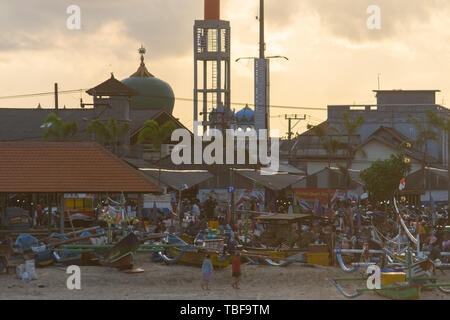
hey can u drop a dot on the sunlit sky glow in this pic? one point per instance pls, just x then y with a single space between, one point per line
333 57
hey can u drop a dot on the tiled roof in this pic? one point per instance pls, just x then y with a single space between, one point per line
69 167
112 87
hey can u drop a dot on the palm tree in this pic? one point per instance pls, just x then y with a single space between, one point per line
157 135
351 127
444 125
58 129
108 133
331 146
425 133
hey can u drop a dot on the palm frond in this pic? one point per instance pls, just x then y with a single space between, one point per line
69 130
352 126
166 129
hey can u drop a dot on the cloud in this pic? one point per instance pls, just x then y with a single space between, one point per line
164 25
346 19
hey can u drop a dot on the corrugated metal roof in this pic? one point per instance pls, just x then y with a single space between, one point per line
172 178
275 182
354 175
67 167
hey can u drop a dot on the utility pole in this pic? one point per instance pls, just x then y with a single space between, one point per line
56 97
289 118
262 43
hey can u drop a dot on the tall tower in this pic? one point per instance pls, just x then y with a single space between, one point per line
262 79
212 58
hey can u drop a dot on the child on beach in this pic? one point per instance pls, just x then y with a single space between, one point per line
207 269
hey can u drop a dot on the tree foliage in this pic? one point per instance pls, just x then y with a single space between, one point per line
58 129
155 133
351 127
382 178
329 143
426 130
108 133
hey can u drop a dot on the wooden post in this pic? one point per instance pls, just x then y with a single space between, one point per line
289 235
61 206
139 208
3 204
332 247
49 206
34 200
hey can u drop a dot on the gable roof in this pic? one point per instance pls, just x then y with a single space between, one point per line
112 87
275 182
139 116
69 167
437 179
354 176
393 138
171 178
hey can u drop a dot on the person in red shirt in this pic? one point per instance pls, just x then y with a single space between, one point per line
236 270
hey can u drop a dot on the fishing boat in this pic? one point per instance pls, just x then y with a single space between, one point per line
401 291
121 254
44 257
192 255
281 254
67 258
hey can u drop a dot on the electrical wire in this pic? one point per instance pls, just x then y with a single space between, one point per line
178 99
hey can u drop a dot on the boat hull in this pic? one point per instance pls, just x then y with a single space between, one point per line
409 292
44 258
121 255
196 257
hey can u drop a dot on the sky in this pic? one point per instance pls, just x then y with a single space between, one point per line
333 57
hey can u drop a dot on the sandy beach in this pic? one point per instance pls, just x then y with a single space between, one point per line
180 282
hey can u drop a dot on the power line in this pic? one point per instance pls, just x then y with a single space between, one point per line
178 99
40 94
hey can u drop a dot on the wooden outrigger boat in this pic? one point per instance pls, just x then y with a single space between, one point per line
400 292
417 278
121 254
273 253
196 256
193 255
67 258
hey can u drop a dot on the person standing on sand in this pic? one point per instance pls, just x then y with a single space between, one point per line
207 269
236 270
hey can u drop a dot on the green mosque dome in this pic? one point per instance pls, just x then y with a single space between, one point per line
154 93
